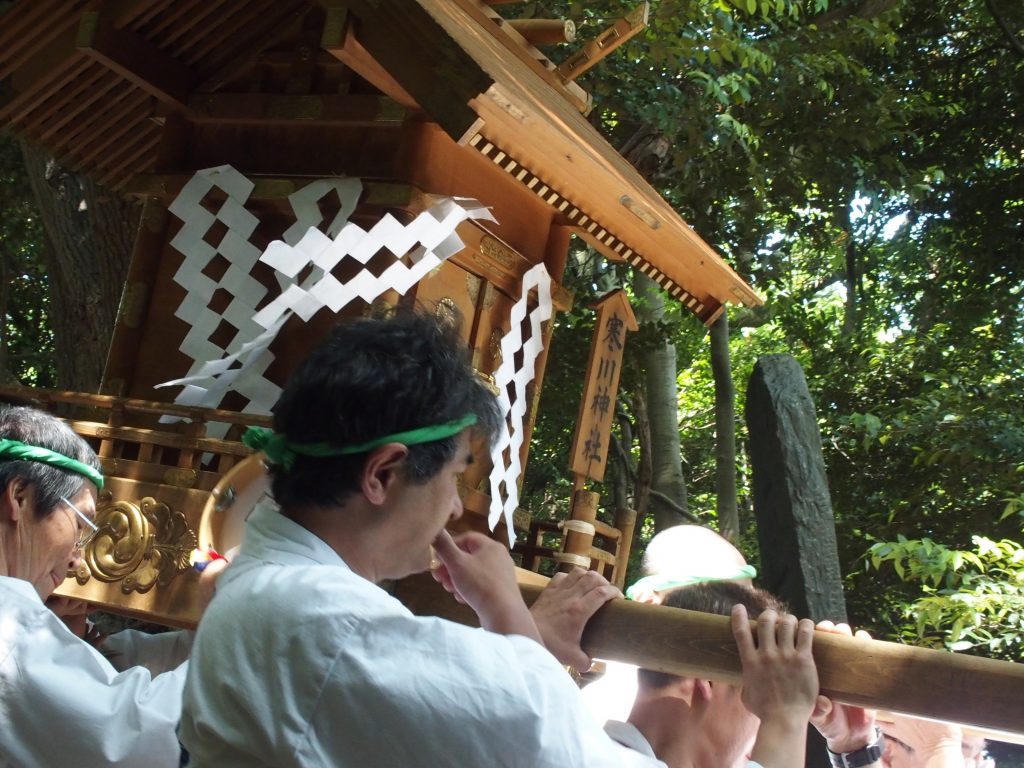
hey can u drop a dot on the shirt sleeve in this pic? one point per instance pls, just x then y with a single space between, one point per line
59 697
445 690
157 653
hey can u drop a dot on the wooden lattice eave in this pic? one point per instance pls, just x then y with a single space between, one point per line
452 56
92 83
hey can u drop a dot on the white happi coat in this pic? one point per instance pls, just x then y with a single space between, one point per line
300 662
63 703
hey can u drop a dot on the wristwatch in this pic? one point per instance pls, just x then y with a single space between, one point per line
859 757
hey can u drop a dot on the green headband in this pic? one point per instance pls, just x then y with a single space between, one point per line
661 582
19 451
283 453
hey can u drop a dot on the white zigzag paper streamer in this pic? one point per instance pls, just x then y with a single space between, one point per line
242 368
242 365
428 240
431 235
511 435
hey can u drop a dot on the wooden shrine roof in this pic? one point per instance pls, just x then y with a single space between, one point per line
95 87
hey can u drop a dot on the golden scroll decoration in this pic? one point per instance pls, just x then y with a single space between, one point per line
138 544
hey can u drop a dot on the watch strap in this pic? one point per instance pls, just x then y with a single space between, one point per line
859 758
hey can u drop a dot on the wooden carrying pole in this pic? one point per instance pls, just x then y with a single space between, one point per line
869 673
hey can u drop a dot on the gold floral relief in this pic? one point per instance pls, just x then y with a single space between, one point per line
447 312
138 545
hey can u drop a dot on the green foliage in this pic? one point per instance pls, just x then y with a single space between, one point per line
971 599
862 165
26 347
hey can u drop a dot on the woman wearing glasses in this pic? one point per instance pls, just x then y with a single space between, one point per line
59 697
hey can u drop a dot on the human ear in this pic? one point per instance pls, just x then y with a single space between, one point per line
381 471
683 688
703 689
647 596
12 501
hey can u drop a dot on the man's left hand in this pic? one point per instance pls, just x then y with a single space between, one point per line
563 609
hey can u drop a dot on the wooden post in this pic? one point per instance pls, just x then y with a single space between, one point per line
625 521
579 532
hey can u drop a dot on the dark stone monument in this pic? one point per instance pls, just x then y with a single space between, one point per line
795 526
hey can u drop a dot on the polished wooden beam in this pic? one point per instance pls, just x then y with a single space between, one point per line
544 31
135 59
340 40
602 45
963 689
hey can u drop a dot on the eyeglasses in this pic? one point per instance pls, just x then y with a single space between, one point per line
86 532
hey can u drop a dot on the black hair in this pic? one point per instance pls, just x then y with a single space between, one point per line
34 427
711 597
371 378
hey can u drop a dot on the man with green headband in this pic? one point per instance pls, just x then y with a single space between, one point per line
303 659
691 723
61 701
676 557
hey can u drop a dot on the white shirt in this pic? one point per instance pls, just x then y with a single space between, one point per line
62 703
157 653
300 662
628 735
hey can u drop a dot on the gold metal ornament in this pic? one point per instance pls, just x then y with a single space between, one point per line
447 312
494 345
138 545
473 288
498 251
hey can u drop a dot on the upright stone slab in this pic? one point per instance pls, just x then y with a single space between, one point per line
795 525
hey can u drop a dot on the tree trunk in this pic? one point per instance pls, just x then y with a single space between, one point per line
850 280
642 497
89 233
666 491
668 498
725 431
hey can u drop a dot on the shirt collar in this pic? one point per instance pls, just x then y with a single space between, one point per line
628 735
22 587
272 537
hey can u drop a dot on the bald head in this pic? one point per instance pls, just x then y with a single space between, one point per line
690 548
687 554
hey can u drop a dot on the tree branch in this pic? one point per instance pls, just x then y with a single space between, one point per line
674 506
1015 45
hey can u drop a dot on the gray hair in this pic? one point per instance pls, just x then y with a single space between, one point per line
40 429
